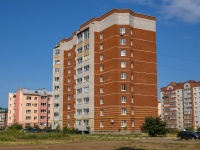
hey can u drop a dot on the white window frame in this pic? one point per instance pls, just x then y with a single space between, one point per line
123 87
123 52
123 41
123 123
122 30
123 75
123 64
123 111
123 99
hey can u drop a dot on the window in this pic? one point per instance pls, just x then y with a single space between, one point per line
122 41
56 87
101 79
123 52
28 98
42 117
69 80
79 70
69 62
69 71
79 60
78 111
28 117
101 46
68 97
132 77
69 53
131 42
56 96
79 101
28 104
35 118
123 75
131 65
57 61
123 99
86 89
86 68
57 52
132 112
131 54
131 31
28 111
78 122
43 104
101 112
101 124
133 124
79 90
86 57
101 90
101 57
131 88
79 50
80 38
123 87
68 107
123 64
101 101
56 114
86 122
56 78
86 34
123 123
56 105
101 68
69 88
122 30
57 70
35 98
101 36
68 116
86 47
35 111
132 100
86 100
86 111
79 80
123 111
86 78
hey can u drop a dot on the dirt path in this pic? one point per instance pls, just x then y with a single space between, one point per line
135 144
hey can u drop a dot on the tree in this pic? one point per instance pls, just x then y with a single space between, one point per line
16 126
154 126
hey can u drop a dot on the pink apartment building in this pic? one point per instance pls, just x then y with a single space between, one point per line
30 108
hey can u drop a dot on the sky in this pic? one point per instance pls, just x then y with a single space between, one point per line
29 30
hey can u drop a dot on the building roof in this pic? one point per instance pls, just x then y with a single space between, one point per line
41 92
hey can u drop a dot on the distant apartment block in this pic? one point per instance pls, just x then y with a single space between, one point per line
30 108
105 74
3 117
181 104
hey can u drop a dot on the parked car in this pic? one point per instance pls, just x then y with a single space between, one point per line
46 130
187 135
198 133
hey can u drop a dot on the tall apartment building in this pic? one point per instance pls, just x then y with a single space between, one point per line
180 104
3 117
30 108
105 74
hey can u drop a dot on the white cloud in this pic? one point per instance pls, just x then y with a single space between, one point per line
186 10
